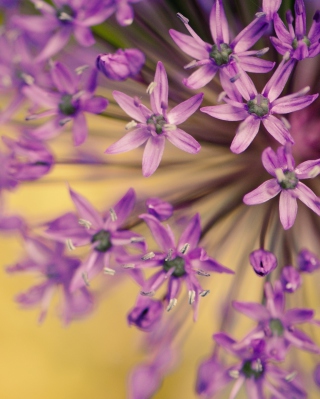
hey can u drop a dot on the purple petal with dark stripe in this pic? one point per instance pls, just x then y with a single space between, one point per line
183 140
277 129
246 132
152 155
226 112
85 209
129 105
218 23
201 77
130 141
292 102
159 232
250 34
159 95
274 87
188 45
270 161
287 209
263 193
308 197
184 110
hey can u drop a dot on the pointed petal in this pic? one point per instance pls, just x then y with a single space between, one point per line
277 129
129 105
184 110
218 23
263 193
212 265
79 129
95 105
296 316
41 97
201 77
54 45
270 161
48 130
255 65
130 141
246 132
281 30
152 155
86 210
188 45
159 232
124 207
287 209
308 197
83 36
63 79
183 140
274 87
191 234
250 34
253 310
226 112
308 169
281 47
159 95
292 103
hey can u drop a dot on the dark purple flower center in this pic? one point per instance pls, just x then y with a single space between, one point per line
67 105
220 54
252 368
65 13
276 327
103 238
304 39
157 121
289 181
52 272
178 265
258 106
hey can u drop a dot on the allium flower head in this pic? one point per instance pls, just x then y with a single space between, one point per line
223 53
162 210
286 181
155 125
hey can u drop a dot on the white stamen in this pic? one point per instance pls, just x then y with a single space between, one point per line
203 273
234 373
85 223
151 87
81 69
303 91
191 64
65 17
204 293
131 125
280 175
169 126
29 80
38 4
110 272
172 304
128 266
62 122
192 296
286 56
182 18
291 376
285 122
260 14
261 52
85 279
314 171
136 239
148 256
221 96
169 255
113 214
78 95
289 285
185 248
70 245
147 293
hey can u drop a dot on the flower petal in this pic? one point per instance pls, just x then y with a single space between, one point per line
218 23
308 169
287 209
159 232
308 197
152 155
86 210
182 111
79 129
281 30
159 95
64 81
296 316
201 77
54 44
255 64
191 234
263 193
95 105
124 207
226 112
275 85
83 36
129 105
188 45
253 310
130 141
270 161
246 132
250 34
277 129
292 102
183 140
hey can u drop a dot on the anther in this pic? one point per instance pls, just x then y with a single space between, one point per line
314 171
285 122
147 293
203 273
261 52
70 245
169 126
110 272
204 293
182 18
260 14
63 121
63 16
221 96
128 266
191 64
113 214
235 77
131 125
85 279
234 373
85 223
291 376
151 87
148 256
192 296
28 79
81 69
169 255
136 239
280 175
185 248
172 304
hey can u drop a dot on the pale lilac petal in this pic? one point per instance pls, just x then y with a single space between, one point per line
270 161
64 81
48 130
85 210
225 341
263 193
83 36
184 110
296 316
253 310
287 209
308 169
129 105
285 157
124 14
159 232
308 197
301 52
242 81
130 141
159 95
226 112
183 140
255 64
201 77
188 45
254 388
93 265
281 47
314 32
79 129
37 24
229 87
250 34
191 234
214 266
41 97
124 207
95 105
54 44
270 7
246 132
100 17
292 102
218 23
281 30
152 155
277 129
274 87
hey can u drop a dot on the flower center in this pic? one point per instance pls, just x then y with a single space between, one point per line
157 121
296 42
221 54
65 13
276 327
258 106
52 272
66 106
103 239
289 180
252 368
178 265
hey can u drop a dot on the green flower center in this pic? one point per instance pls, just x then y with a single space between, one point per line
252 368
296 41
66 106
258 106
176 263
276 327
65 13
289 181
220 55
103 237
158 122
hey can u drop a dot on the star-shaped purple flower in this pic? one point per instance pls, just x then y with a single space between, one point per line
219 56
155 125
281 166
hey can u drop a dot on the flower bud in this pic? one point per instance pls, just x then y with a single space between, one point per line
290 279
162 210
122 65
307 261
146 313
263 262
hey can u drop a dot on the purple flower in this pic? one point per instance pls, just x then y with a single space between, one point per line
146 313
296 42
162 210
263 262
68 103
122 65
219 56
270 7
307 261
290 279
155 126
56 270
316 375
259 108
277 325
281 166
103 233
179 263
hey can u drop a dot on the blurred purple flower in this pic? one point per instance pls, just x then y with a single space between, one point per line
307 261
162 210
281 165
146 313
290 279
270 7
155 126
263 262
